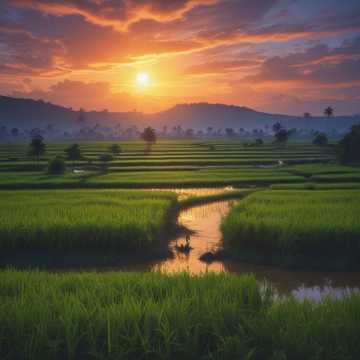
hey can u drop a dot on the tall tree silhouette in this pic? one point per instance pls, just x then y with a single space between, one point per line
276 127
73 153
329 111
37 147
349 146
149 135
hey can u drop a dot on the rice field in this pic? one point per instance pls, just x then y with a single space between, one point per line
157 316
84 219
148 179
283 225
83 214
167 154
174 163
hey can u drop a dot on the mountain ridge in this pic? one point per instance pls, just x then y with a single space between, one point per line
30 113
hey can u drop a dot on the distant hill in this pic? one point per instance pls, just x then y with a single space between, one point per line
202 115
28 113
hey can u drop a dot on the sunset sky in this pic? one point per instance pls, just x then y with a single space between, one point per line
287 56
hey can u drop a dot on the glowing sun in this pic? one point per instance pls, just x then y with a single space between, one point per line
143 79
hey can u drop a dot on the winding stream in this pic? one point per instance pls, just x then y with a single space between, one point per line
204 223
205 220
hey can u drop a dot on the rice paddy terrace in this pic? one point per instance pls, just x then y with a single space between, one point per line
265 210
167 164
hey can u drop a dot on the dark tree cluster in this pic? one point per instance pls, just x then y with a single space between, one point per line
57 166
281 134
37 147
149 136
320 139
349 146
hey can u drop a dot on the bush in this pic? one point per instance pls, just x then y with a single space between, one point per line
105 159
320 139
57 166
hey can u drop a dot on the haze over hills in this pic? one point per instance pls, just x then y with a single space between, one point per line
29 113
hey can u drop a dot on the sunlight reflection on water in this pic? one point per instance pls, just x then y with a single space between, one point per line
205 221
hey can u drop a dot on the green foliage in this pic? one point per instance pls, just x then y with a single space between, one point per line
170 163
349 146
57 166
320 139
149 135
115 149
318 224
157 316
37 147
105 159
73 152
282 136
83 219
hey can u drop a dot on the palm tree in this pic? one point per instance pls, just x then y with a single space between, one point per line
329 111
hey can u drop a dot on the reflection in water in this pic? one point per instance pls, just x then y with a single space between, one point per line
204 221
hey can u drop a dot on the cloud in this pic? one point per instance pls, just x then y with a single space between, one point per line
318 64
220 67
292 46
23 53
116 13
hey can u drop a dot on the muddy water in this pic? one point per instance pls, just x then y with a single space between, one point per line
205 221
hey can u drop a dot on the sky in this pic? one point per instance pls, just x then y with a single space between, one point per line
279 56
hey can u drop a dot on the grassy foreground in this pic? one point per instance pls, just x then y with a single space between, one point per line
289 226
156 316
83 219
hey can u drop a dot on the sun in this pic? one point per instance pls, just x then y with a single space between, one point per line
143 79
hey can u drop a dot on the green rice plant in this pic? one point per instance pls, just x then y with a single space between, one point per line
83 219
157 316
305 224
317 186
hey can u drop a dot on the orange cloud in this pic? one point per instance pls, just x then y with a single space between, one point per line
119 14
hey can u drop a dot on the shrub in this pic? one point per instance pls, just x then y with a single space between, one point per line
320 139
56 166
